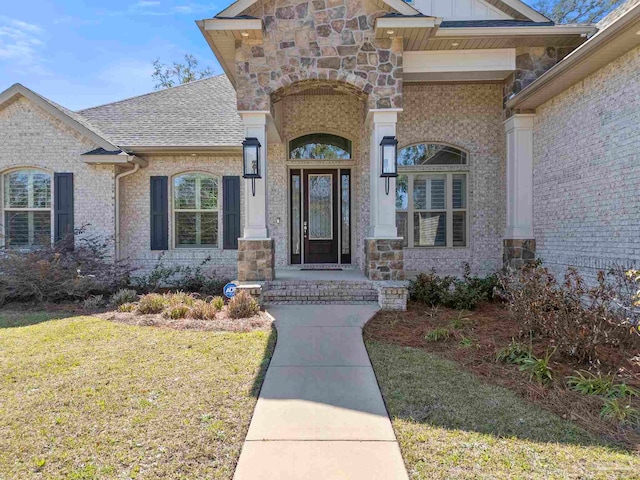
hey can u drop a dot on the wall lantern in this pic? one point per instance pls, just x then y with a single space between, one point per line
389 158
251 161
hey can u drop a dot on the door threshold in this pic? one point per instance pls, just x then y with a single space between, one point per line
328 269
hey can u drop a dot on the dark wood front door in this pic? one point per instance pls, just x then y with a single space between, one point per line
321 216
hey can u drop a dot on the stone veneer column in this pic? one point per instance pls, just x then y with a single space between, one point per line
519 245
256 253
383 249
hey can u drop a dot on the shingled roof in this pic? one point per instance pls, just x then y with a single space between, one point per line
198 114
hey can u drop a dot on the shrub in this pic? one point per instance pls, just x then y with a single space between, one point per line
176 311
127 307
243 305
152 303
203 310
537 368
218 303
620 409
579 318
71 269
437 334
461 320
621 390
589 383
93 302
122 296
515 352
461 294
180 298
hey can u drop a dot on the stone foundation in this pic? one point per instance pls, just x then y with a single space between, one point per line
518 252
393 296
384 259
256 260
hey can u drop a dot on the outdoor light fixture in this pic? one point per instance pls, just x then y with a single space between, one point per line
251 161
389 158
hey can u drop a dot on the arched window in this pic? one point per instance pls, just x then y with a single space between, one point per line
431 203
320 146
27 208
195 210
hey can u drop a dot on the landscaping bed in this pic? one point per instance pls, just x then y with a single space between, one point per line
472 341
87 398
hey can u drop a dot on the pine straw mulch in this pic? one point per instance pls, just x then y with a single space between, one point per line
222 322
491 327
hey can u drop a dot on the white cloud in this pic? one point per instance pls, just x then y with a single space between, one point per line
146 4
21 43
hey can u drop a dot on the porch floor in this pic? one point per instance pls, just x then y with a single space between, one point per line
289 273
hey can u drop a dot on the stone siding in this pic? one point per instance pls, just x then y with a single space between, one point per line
468 116
587 171
327 40
518 252
383 259
31 137
256 260
135 220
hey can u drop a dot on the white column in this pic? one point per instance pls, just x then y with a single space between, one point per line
519 131
383 206
255 206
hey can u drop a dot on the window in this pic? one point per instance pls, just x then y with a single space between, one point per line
195 210
431 204
320 146
27 208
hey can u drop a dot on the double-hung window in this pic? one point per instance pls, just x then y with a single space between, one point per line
195 210
431 196
27 208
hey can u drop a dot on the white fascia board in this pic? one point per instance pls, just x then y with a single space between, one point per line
115 159
515 31
407 22
435 61
230 24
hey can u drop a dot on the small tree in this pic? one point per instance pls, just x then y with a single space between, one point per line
576 11
178 73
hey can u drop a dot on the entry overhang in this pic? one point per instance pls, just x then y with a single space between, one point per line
415 30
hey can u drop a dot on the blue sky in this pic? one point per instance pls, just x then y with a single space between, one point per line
84 53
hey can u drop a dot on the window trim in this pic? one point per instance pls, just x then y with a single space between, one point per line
352 152
4 209
173 224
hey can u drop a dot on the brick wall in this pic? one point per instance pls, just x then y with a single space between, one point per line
31 137
587 171
135 220
468 116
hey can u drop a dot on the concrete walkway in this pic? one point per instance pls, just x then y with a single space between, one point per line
320 414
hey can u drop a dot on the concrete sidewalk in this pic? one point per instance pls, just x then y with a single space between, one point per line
320 414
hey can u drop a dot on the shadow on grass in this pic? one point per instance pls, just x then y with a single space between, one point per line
420 387
264 365
12 318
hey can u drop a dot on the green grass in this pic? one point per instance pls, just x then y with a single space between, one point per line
451 426
84 398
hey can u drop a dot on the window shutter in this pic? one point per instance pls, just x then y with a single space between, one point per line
159 213
62 205
230 212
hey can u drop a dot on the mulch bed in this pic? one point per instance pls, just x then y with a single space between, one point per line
222 322
491 327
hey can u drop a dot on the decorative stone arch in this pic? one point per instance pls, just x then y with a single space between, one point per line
343 82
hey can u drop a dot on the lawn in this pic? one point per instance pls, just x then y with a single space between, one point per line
451 425
85 398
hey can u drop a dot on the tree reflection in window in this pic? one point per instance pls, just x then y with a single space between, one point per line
431 154
320 146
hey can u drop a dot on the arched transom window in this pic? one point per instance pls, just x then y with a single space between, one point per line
320 146
27 208
195 210
431 196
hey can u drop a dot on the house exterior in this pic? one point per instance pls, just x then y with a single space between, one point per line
516 137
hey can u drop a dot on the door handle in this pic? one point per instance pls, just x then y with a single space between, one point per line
304 228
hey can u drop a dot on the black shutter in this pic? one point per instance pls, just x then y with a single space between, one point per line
159 213
63 205
230 212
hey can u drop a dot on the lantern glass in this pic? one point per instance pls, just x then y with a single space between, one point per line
251 153
389 155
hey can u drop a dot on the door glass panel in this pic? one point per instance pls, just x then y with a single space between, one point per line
295 214
346 214
320 207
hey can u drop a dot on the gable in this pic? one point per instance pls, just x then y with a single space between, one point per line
250 6
460 9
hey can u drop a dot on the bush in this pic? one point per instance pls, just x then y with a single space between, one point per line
203 310
71 269
127 307
243 305
461 294
179 277
515 352
620 409
176 311
218 303
579 318
152 303
588 383
437 334
122 296
93 302
537 368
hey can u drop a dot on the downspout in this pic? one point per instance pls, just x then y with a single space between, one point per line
136 167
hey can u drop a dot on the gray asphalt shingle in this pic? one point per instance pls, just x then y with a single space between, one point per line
198 114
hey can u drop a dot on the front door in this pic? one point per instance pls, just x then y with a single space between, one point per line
321 216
